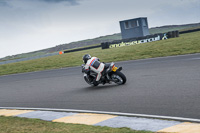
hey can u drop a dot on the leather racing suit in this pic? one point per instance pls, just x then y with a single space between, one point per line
95 65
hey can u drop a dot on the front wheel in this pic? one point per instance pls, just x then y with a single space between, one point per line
118 77
90 80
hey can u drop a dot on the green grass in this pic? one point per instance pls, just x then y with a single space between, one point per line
185 44
24 55
24 125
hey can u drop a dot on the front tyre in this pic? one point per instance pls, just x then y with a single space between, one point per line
118 77
88 80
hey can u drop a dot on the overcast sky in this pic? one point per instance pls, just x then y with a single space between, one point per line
29 25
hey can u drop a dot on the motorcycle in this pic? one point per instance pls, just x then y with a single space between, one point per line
111 74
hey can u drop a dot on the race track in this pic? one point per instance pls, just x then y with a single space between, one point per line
168 86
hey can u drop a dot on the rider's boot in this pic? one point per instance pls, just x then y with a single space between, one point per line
95 82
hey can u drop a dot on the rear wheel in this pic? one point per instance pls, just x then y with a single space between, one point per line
119 78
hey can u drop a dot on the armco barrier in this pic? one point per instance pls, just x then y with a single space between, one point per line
80 49
188 31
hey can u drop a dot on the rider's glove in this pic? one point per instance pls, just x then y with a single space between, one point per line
85 71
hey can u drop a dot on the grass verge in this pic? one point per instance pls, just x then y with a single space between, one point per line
23 125
185 44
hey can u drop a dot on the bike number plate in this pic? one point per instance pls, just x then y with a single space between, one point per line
114 69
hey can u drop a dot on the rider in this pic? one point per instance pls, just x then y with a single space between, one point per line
95 65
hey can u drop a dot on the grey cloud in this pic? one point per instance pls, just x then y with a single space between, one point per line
3 3
72 2
8 2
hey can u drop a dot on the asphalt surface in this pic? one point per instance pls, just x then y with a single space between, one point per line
168 86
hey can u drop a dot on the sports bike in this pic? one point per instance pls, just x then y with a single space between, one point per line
111 74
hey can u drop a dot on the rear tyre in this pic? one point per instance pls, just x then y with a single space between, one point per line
119 78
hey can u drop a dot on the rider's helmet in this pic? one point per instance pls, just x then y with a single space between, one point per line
86 58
